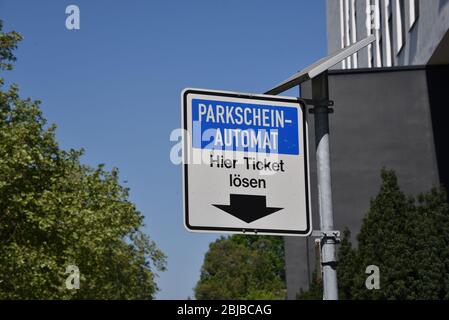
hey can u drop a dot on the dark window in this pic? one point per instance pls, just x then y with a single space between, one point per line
390 33
414 12
402 25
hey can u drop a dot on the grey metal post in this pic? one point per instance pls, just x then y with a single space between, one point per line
320 92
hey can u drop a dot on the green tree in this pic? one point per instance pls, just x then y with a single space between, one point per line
407 238
243 267
315 291
55 212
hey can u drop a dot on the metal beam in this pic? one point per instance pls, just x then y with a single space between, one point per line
320 66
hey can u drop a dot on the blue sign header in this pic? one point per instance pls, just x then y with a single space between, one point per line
235 126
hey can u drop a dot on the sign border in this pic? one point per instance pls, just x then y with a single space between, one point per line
250 231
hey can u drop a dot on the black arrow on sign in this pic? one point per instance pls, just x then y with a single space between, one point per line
248 208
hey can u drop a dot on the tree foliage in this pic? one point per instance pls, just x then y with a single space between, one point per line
55 212
315 291
407 238
243 267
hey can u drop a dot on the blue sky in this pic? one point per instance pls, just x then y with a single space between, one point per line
113 87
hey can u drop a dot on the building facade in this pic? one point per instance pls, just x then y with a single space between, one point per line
391 102
408 32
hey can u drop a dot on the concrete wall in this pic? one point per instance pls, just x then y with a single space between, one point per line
381 119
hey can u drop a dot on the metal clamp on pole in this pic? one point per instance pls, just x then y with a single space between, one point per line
318 103
326 237
326 234
312 102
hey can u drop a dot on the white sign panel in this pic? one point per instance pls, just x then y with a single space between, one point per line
245 166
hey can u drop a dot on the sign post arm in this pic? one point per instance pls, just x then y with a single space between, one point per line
320 92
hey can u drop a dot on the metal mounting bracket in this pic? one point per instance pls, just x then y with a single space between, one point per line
319 103
326 234
320 233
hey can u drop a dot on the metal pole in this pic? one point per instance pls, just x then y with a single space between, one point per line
320 92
